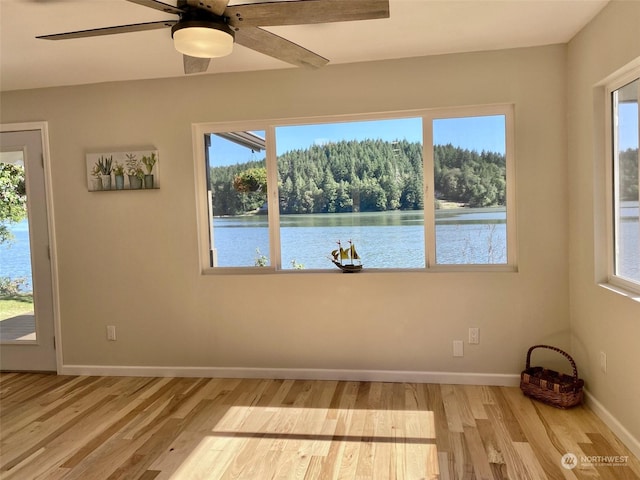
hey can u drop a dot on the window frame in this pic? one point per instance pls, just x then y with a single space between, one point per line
204 222
611 180
429 116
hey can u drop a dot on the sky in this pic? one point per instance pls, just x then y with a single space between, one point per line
473 133
302 136
627 126
223 152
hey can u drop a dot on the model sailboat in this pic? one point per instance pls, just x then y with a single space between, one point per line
345 258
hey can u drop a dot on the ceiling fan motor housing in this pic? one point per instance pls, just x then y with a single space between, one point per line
202 36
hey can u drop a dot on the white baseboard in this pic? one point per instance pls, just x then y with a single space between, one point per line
612 422
498 379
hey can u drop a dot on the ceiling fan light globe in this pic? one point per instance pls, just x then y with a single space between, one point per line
203 42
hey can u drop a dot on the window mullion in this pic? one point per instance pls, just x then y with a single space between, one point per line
638 160
213 260
428 192
273 199
615 168
511 187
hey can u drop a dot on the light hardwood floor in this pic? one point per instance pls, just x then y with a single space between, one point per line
62 427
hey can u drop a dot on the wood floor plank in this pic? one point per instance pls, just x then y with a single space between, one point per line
252 425
502 423
417 435
108 449
506 416
594 425
443 464
464 408
478 454
607 459
200 463
475 397
399 447
259 446
451 408
188 440
547 446
76 428
25 444
525 452
16 417
383 433
114 425
164 428
492 448
16 394
341 410
355 428
65 445
366 452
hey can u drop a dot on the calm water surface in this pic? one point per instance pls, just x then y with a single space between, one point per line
15 256
383 240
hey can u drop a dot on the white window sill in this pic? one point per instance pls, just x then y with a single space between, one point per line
434 269
634 296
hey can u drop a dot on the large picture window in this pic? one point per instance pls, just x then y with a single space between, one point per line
427 190
625 185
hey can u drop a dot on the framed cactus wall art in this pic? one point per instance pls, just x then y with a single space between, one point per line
123 170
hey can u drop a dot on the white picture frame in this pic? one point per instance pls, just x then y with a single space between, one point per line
123 170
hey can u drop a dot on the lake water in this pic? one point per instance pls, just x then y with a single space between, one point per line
629 241
15 256
383 240
391 239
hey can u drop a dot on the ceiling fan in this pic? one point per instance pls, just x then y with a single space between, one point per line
207 29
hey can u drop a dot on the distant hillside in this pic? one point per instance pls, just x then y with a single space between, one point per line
366 176
628 168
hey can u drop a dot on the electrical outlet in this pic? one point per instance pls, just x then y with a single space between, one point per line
474 336
111 333
458 348
603 362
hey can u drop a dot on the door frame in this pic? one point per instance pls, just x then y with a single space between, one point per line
43 128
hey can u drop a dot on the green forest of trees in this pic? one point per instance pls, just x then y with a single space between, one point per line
366 176
373 175
628 166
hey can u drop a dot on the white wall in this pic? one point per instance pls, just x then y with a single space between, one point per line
600 319
130 258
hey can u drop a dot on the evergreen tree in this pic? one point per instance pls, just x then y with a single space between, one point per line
368 175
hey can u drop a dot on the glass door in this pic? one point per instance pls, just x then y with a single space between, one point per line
26 298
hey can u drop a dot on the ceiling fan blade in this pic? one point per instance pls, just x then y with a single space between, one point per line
277 47
305 12
194 64
96 32
163 7
214 6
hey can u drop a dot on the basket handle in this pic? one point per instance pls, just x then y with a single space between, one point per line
555 349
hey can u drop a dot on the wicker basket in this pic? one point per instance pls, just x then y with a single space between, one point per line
549 386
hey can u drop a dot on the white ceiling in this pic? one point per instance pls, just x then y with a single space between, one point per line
415 28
